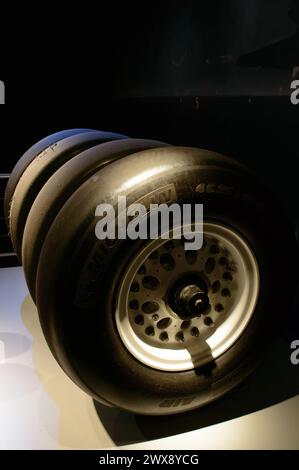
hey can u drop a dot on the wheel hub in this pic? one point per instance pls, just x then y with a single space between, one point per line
177 310
188 297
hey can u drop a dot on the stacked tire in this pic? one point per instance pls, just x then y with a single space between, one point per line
91 293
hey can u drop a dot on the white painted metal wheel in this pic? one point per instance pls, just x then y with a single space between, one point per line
155 331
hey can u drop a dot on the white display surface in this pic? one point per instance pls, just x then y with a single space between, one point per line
40 407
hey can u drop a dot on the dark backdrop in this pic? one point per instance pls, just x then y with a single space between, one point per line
214 74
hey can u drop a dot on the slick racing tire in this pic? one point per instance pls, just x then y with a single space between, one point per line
36 167
145 324
60 186
28 157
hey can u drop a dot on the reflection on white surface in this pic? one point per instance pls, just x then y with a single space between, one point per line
40 407
2 352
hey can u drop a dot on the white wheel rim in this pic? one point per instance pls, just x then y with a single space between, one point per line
178 345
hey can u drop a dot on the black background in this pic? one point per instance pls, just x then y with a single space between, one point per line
198 73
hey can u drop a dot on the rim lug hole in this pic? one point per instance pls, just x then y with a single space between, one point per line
164 323
153 255
134 304
180 337
215 287
210 265
214 249
134 287
225 292
169 245
222 261
194 332
150 307
164 336
150 282
219 307
227 276
142 269
167 262
150 331
139 320
208 321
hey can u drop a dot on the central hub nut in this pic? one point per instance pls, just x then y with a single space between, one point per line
193 300
188 297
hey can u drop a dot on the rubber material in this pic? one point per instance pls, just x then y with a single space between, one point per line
37 173
28 157
76 297
60 187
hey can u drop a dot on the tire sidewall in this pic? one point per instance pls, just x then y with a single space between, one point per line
78 310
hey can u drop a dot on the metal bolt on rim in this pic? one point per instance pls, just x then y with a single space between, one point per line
149 326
